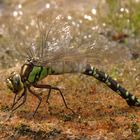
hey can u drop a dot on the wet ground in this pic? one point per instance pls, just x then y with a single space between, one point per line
100 114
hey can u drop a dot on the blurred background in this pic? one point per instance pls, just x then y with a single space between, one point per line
113 26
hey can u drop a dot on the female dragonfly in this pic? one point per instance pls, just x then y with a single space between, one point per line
53 56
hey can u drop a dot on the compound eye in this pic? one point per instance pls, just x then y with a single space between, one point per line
9 84
16 79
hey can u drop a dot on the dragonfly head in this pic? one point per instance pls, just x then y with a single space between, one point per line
14 82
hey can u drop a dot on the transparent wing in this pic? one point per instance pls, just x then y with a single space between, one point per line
45 41
54 44
49 42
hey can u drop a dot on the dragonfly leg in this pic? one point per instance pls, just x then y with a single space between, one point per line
16 101
39 98
54 88
48 96
24 100
47 87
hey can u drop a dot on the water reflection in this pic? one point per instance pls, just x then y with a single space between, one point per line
88 17
47 5
94 12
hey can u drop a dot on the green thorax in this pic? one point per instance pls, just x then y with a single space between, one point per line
33 73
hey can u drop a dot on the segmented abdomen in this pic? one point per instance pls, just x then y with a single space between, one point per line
103 77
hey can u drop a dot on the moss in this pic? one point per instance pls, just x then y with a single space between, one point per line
68 117
135 128
5 108
137 137
25 130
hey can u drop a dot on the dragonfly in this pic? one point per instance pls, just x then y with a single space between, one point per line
51 54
